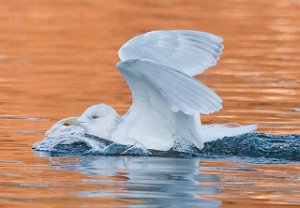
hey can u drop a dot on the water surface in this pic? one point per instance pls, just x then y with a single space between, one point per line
57 57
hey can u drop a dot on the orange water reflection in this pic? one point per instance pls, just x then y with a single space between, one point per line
58 57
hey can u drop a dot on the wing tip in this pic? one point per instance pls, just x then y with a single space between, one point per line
212 111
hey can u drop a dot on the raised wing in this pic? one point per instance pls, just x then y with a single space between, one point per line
149 80
190 52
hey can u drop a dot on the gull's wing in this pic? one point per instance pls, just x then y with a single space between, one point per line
166 105
190 52
180 91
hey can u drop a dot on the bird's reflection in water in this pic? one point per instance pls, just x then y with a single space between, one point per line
153 181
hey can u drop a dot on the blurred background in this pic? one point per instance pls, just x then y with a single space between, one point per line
58 57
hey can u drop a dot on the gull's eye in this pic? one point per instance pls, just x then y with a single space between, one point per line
95 117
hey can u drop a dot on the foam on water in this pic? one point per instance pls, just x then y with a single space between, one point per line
61 139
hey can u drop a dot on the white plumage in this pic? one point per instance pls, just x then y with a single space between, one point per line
179 90
158 67
188 51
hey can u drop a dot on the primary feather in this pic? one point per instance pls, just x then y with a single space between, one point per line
187 51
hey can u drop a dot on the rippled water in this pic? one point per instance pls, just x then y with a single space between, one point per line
57 57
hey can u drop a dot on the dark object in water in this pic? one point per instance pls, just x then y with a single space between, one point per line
286 147
257 145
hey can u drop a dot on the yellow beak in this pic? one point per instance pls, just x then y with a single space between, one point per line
71 121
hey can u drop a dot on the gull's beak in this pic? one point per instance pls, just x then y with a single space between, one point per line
72 121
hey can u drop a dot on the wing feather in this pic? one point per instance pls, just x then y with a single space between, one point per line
190 52
179 90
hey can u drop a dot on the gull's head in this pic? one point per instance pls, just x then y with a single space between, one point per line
98 120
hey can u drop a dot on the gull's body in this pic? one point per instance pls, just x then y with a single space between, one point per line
167 101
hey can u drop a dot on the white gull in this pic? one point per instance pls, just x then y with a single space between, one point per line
158 67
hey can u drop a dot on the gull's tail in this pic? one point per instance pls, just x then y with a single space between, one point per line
219 131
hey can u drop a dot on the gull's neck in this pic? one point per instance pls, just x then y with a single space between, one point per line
112 128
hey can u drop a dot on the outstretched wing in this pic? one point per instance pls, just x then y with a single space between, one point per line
190 52
180 91
166 104
158 67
